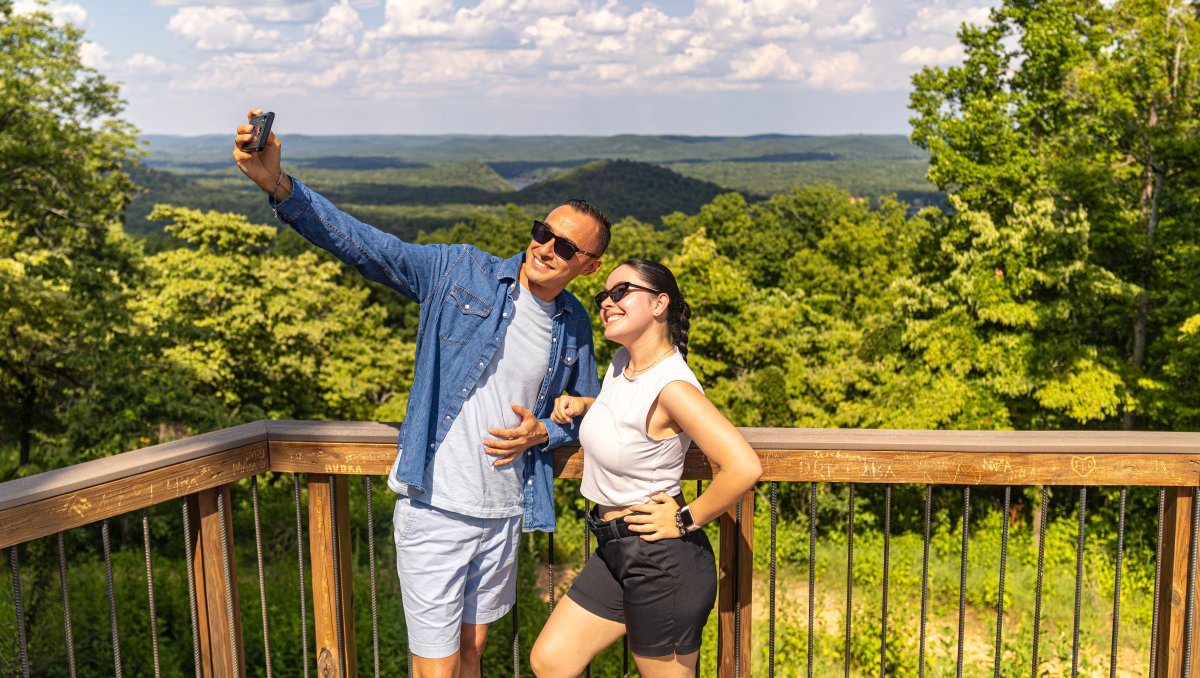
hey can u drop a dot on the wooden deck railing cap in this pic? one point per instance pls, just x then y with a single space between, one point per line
895 440
333 431
91 473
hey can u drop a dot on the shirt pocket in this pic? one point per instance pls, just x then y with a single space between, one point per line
463 315
570 356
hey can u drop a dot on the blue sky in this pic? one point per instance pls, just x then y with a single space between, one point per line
520 66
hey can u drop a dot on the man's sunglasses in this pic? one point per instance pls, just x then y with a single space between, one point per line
618 292
565 249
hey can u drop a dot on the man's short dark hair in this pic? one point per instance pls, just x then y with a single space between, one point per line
584 207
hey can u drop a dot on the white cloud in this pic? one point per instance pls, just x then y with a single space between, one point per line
338 29
145 63
862 24
946 20
769 62
63 12
93 55
838 72
272 11
425 50
931 56
222 28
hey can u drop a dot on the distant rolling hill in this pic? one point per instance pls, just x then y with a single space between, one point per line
405 184
622 188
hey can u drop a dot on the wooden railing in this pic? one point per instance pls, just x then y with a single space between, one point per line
200 470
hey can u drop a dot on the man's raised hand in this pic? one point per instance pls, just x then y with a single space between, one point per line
263 167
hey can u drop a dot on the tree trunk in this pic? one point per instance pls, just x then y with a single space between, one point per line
1152 180
28 400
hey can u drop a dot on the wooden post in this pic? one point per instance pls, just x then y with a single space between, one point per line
735 588
325 607
1172 601
217 640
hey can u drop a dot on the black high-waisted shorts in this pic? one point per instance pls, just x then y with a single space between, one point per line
661 591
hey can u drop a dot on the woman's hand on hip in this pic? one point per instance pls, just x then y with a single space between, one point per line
659 519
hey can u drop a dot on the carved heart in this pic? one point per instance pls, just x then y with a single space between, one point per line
1083 466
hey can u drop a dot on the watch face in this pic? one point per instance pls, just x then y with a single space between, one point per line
685 514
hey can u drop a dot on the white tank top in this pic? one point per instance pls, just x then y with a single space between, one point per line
622 464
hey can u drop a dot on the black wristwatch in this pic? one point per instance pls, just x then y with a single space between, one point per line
684 520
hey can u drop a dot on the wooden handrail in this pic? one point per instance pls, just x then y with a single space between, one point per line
203 465
46 503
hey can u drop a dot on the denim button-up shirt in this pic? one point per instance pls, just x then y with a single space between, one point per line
466 307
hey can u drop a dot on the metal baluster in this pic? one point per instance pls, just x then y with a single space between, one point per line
230 582
191 580
737 594
304 613
1112 665
925 578
1078 582
1190 606
150 591
699 491
1003 572
587 552
20 609
516 644
371 567
262 584
300 557
771 623
112 600
812 568
68 634
1041 570
1158 549
334 533
849 576
887 554
962 578
550 569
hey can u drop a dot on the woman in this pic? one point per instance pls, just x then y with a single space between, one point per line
653 574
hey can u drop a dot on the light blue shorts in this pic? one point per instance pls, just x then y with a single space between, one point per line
454 569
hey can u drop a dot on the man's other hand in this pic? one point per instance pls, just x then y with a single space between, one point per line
509 442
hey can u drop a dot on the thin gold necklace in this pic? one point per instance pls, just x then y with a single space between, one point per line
633 373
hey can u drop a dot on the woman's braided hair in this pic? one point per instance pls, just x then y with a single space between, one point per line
679 314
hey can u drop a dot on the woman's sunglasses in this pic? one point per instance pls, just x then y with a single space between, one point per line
565 249
618 292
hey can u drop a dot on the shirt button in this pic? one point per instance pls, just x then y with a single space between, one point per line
431 446
554 340
529 482
466 307
447 417
505 314
481 364
547 370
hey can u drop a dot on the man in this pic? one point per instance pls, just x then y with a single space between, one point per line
499 340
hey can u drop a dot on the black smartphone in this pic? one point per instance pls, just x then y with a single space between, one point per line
262 130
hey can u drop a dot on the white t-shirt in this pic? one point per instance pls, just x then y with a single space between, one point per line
622 464
461 478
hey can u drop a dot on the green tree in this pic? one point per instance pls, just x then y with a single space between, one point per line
64 263
252 335
987 325
1092 106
